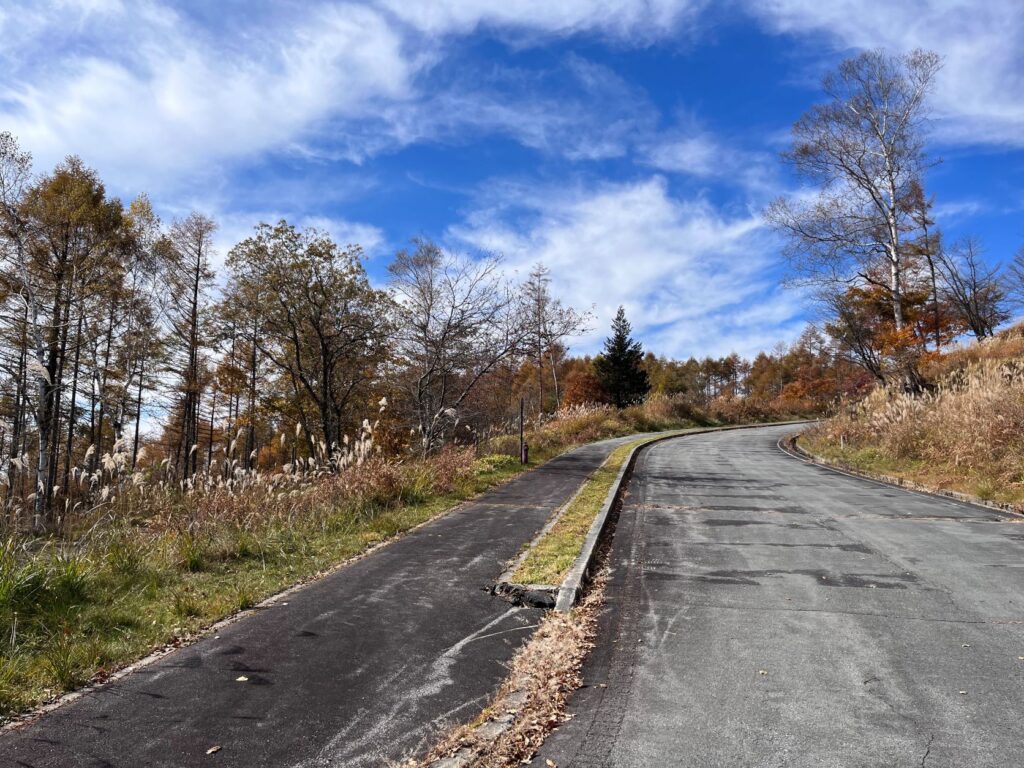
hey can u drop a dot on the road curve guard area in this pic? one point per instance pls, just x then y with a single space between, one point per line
565 594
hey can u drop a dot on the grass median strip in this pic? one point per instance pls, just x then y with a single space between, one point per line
553 555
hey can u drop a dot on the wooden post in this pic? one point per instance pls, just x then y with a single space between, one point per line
522 439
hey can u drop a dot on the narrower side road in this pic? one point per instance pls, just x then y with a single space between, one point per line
357 669
767 612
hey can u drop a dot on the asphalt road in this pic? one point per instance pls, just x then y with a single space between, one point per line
359 668
766 612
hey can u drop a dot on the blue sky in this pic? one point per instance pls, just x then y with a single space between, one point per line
630 145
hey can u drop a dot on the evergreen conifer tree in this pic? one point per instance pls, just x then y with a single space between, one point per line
619 368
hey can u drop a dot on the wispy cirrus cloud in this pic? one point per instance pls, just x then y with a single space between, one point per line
148 94
151 89
631 21
702 155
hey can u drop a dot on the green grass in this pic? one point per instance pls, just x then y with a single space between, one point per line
67 615
550 559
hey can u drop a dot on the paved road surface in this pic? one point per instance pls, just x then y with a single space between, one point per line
764 612
356 669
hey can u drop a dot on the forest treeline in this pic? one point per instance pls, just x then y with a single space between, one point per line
123 356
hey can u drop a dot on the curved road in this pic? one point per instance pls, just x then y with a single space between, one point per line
767 612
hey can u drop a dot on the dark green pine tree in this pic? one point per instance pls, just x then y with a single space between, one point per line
619 368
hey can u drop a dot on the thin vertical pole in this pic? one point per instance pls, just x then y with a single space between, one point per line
522 442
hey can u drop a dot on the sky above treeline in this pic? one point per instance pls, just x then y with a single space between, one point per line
629 145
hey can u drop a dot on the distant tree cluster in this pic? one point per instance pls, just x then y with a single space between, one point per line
892 289
806 377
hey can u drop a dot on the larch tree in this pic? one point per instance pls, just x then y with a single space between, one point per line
548 324
63 234
186 253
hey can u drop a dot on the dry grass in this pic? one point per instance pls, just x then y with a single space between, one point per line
546 671
967 434
1006 345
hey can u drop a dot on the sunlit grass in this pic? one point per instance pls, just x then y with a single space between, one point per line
549 561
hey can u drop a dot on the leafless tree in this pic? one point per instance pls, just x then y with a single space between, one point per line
977 291
1015 277
549 323
458 319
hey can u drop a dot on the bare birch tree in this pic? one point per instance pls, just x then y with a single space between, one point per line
864 149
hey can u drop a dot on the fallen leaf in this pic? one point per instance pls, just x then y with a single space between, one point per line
211 750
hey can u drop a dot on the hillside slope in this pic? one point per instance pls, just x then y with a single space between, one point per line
966 433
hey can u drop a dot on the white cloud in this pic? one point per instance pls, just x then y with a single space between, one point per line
144 93
700 154
621 19
956 210
696 155
980 92
693 281
233 227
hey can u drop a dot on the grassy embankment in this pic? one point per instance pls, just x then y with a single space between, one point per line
153 564
965 434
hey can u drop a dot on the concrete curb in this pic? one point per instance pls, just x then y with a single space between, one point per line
536 595
572 586
789 445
